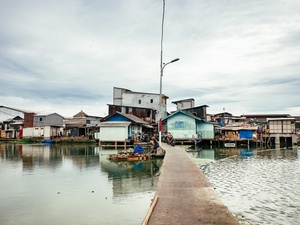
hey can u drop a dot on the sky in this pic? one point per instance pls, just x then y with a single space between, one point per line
242 57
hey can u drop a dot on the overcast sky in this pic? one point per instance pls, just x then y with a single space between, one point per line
235 55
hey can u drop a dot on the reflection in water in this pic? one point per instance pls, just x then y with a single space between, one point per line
72 184
128 177
259 185
246 153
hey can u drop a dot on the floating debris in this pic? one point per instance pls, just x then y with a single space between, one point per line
136 154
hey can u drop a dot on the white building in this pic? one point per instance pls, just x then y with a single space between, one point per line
184 103
127 98
46 126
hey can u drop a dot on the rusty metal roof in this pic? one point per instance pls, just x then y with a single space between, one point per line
114 124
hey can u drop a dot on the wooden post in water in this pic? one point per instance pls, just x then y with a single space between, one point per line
277 141
285 142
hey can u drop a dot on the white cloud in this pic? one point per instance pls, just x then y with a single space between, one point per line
67 56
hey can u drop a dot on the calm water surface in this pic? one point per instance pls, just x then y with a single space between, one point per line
262 187
63 184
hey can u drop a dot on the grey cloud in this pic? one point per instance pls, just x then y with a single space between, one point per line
231 52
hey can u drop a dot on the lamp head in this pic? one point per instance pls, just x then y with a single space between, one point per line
175 60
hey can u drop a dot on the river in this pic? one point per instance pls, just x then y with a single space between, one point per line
76 184
258 186
72 185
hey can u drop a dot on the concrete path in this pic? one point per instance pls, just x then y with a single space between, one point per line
184 195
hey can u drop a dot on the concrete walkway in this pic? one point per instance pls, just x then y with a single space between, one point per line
184 195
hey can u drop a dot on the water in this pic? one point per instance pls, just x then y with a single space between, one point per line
72 184
259 187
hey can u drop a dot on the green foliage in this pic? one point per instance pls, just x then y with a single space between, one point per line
26 140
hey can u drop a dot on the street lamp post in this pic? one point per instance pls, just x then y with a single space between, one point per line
163 65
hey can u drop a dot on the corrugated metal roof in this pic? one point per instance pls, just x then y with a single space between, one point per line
80 114
185 113
228 128
137 92
18 110
77 121
40 115
129 106
183 100
266 115
114 124
296 117
275 119
148 126
131 117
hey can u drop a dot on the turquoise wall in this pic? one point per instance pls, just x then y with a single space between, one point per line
206 130
182 126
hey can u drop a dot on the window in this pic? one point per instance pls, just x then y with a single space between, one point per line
179 124
41 119
151 100
140 101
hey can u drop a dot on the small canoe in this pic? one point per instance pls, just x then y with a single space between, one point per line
47 141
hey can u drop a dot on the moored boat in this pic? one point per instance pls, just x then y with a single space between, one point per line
46 141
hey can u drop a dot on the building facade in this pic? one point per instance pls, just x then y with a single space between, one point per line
184 103
150 102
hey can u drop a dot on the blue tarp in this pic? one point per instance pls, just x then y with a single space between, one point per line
246 134
138 149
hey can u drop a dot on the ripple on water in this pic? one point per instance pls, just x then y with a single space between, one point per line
264 188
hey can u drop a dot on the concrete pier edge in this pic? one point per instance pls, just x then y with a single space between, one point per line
184 195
